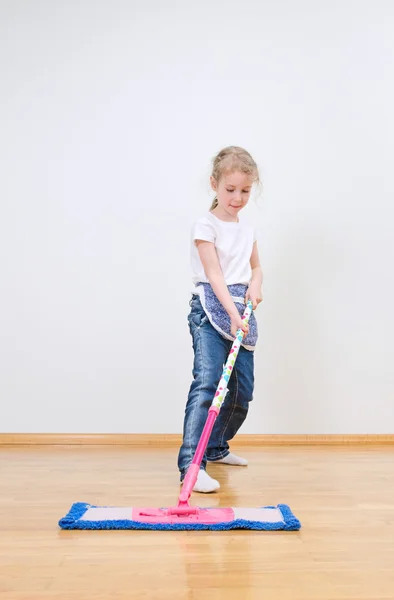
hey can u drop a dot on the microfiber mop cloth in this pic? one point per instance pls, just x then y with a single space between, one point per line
268 518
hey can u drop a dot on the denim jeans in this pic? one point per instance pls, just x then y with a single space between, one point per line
210 354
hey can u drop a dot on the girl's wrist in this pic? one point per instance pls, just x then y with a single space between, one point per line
256 282
257 277
233 312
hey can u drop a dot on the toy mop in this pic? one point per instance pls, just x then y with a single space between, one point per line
183 516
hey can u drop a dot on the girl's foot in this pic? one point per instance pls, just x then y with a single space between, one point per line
232 459
205 484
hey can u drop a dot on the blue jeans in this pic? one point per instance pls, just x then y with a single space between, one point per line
210 354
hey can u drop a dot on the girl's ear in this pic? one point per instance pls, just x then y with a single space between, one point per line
214 185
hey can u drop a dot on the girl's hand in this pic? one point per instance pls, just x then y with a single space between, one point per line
238 323
254 294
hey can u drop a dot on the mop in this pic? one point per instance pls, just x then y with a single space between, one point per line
183 516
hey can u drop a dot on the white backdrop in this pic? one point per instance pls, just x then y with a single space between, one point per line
110 115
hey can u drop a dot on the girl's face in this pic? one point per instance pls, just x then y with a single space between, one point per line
233 192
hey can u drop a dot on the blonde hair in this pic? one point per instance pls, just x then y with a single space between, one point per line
230 159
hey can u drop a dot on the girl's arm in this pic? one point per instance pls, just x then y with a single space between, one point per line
254 291
214 273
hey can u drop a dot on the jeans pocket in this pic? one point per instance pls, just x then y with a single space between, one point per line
197 318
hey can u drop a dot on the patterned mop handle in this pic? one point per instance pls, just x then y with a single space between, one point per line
192 473
232 357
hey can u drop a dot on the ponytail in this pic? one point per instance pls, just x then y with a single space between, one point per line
214 203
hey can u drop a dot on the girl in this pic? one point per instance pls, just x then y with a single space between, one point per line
226 273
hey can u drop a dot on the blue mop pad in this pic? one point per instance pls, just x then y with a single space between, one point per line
268 518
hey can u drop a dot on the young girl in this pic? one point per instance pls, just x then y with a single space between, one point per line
226 273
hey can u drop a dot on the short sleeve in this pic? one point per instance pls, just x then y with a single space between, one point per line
203 230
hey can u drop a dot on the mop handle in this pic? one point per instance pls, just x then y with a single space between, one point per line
232 357
192 473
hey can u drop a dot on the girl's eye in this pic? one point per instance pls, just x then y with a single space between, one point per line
230 190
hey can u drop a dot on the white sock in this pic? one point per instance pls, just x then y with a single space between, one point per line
205 484
232 459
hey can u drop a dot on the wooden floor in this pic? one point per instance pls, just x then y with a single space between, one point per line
343 496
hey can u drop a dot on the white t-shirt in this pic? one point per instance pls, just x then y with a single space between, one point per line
234 244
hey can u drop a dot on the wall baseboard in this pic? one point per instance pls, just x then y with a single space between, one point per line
174 439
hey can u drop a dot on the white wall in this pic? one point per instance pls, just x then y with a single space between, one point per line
110 115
